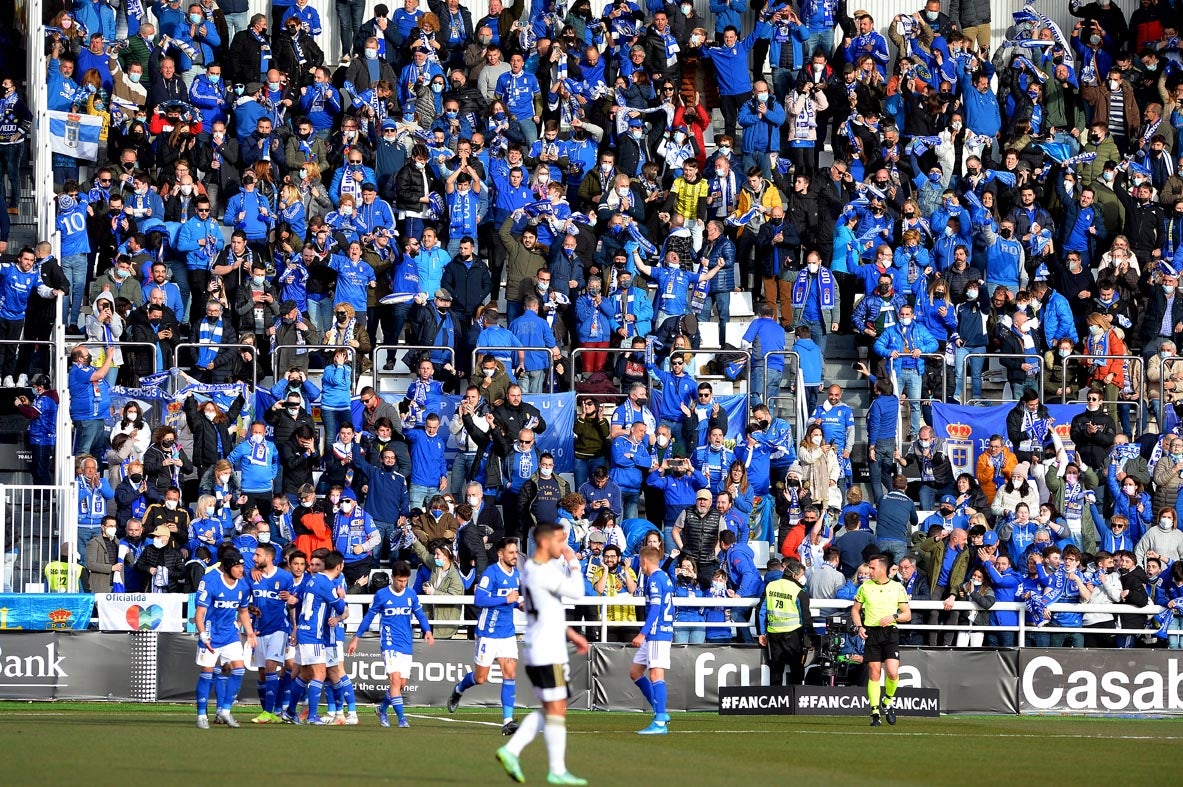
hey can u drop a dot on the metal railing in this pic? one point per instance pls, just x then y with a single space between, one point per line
383 352
905 412
966 377
314 350
1176 363
1134 365
791 399
741 386
238 346
39 526
498 351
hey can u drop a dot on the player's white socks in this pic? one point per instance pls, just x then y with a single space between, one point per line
527 730
554 732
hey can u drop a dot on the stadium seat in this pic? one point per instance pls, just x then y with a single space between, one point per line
708 334
760 551
741 304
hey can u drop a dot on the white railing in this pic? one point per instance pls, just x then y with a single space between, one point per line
38 526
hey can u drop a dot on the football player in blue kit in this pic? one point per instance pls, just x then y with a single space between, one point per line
395 605
271 595
222 600
497 595
319 609
653 643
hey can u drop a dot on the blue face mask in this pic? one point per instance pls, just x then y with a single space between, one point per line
214 78
409 117
617 229
499 116
451 115
439 562
934 177
436 514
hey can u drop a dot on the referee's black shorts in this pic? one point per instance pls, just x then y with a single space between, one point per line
882 644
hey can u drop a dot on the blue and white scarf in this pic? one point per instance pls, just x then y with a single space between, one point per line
209 336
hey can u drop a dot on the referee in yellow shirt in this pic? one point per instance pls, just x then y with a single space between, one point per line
879 606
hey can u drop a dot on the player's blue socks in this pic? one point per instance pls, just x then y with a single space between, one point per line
397 702
508 690
204 681
233 685
646 688
659 698
271 692
285 690
221 679
314 689
466 684
330 694
348 701
261 688
384 703
299 688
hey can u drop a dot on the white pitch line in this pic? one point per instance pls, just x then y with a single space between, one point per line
452 720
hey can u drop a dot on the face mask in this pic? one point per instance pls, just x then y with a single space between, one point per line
451 115
934 177
135 478
725 150
265 537
545 472
1096 330
971 295
437 87
955 125
1065 353
1006 233
816 439
436 513
932 15
171 505
439 562
1167 354
258 280
687 10
905 321
679 137
813 267
473 501
256 439
543 286
196 18
662 440
1095 40
209 511
160 542
346 506
1166 523
948 232
885 289
719 587
762 97
346 210
371 54
135 78
1169 289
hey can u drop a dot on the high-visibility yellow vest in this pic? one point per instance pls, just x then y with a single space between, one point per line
780 601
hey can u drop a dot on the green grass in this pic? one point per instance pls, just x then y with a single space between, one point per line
98 744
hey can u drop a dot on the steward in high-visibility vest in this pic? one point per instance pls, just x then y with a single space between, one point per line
784 623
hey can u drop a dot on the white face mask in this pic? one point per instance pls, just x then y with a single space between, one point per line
160 542
1166 523
210 415
816 439
265 537
109 532
371 54
209 510
133 416
545 472
813 267
171 505
346 506
473 500
224 479
905 321
662 440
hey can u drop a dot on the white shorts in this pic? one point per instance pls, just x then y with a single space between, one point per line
270 647
289 652
654 654
397 662
218 656
310 654
488 650
334 654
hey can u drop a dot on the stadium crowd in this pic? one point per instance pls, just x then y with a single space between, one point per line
544 179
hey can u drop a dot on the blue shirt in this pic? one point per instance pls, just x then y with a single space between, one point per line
766 336
274 610
495 620
222 602
518 92
947 566
88 400
395 609
15 288
659 608
353 279
72 224
318 597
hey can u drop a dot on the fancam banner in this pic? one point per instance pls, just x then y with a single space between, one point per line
65 666
1094 681
966 430
852 701
45 611
141 611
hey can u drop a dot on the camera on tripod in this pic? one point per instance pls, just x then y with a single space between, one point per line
831 665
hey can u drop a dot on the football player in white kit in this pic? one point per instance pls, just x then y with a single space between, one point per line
551 574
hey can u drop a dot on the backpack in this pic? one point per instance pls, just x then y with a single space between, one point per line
730 362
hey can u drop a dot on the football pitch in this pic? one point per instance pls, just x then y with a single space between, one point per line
120 744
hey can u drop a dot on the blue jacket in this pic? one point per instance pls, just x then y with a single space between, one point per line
731 63
724 280
1056 319
675 391
253 222
533 331
96 17
971 326
593 323
678 491
982 115
92 503
15 288
873 44
809 356
761 134
866 312
630 463
882 418
210 98
207 44
335 192
337 388
728 12
199 258
1124 506
741 567
322 105
256 477
429 461
387 499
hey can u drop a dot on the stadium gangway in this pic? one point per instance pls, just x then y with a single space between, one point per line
478 352
611 351
794 401
1132 361
905 411
384 351
38 525
966 378
194 368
